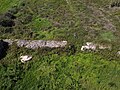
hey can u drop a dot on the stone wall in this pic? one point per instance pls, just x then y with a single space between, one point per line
34 44
94 46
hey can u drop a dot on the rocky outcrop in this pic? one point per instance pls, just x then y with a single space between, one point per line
88 46
25 58
118 52
34 44
93 46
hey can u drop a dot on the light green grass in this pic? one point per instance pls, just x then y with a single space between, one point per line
108 36
5 5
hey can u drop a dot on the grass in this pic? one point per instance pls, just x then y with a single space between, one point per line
77 21
80 71
40 23
108 36
7 4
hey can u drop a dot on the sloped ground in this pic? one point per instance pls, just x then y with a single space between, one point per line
76 21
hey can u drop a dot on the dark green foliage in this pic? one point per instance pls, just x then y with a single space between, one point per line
115 4
3 49
10 15
7 23
71 50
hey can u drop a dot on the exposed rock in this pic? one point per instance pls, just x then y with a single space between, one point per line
55 44
25 58
104 47
88 46
21 43
9 41
93 46
34 44
118 53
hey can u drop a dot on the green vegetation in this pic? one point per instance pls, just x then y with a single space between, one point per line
7 4
80 71
76 21
108 36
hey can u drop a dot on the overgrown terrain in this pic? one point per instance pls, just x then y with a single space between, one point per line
76 21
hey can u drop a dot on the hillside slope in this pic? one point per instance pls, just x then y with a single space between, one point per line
67 68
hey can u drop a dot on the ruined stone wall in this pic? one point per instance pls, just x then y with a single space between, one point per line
34 44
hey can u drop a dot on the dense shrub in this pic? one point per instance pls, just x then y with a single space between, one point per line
10 15
115 4
3 49
7 23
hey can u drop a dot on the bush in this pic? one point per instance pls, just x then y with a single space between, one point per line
3 49
115 4
7 23
10 15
